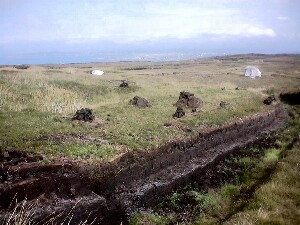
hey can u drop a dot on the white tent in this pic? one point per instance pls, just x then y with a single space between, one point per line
252 71
97 72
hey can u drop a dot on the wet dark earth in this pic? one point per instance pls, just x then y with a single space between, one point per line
109 193
292 98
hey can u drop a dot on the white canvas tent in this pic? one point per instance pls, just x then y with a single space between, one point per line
97 72
252 71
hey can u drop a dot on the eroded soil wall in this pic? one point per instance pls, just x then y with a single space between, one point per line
137 179
136 166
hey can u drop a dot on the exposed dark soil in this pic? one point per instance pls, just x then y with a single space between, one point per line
140 179
292 98
23 176
50 189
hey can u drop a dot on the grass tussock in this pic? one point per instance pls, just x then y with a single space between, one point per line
20 215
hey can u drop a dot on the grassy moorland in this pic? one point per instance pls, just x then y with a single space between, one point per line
36 104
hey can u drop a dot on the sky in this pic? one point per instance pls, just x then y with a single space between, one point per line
36 28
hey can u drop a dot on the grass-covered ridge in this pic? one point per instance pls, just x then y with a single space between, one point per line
36 104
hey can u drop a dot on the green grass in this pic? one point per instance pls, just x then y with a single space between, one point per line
277 201
40 102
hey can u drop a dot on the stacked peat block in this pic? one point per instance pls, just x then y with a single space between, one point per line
187 100
140 102
269 100
84 114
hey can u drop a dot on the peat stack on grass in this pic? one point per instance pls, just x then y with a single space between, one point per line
188 100
140 102
123 84
84 114
269 100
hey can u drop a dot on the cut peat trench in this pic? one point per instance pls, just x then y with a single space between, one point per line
135 180
292 98
185 208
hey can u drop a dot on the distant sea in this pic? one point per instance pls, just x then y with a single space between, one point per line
66 58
